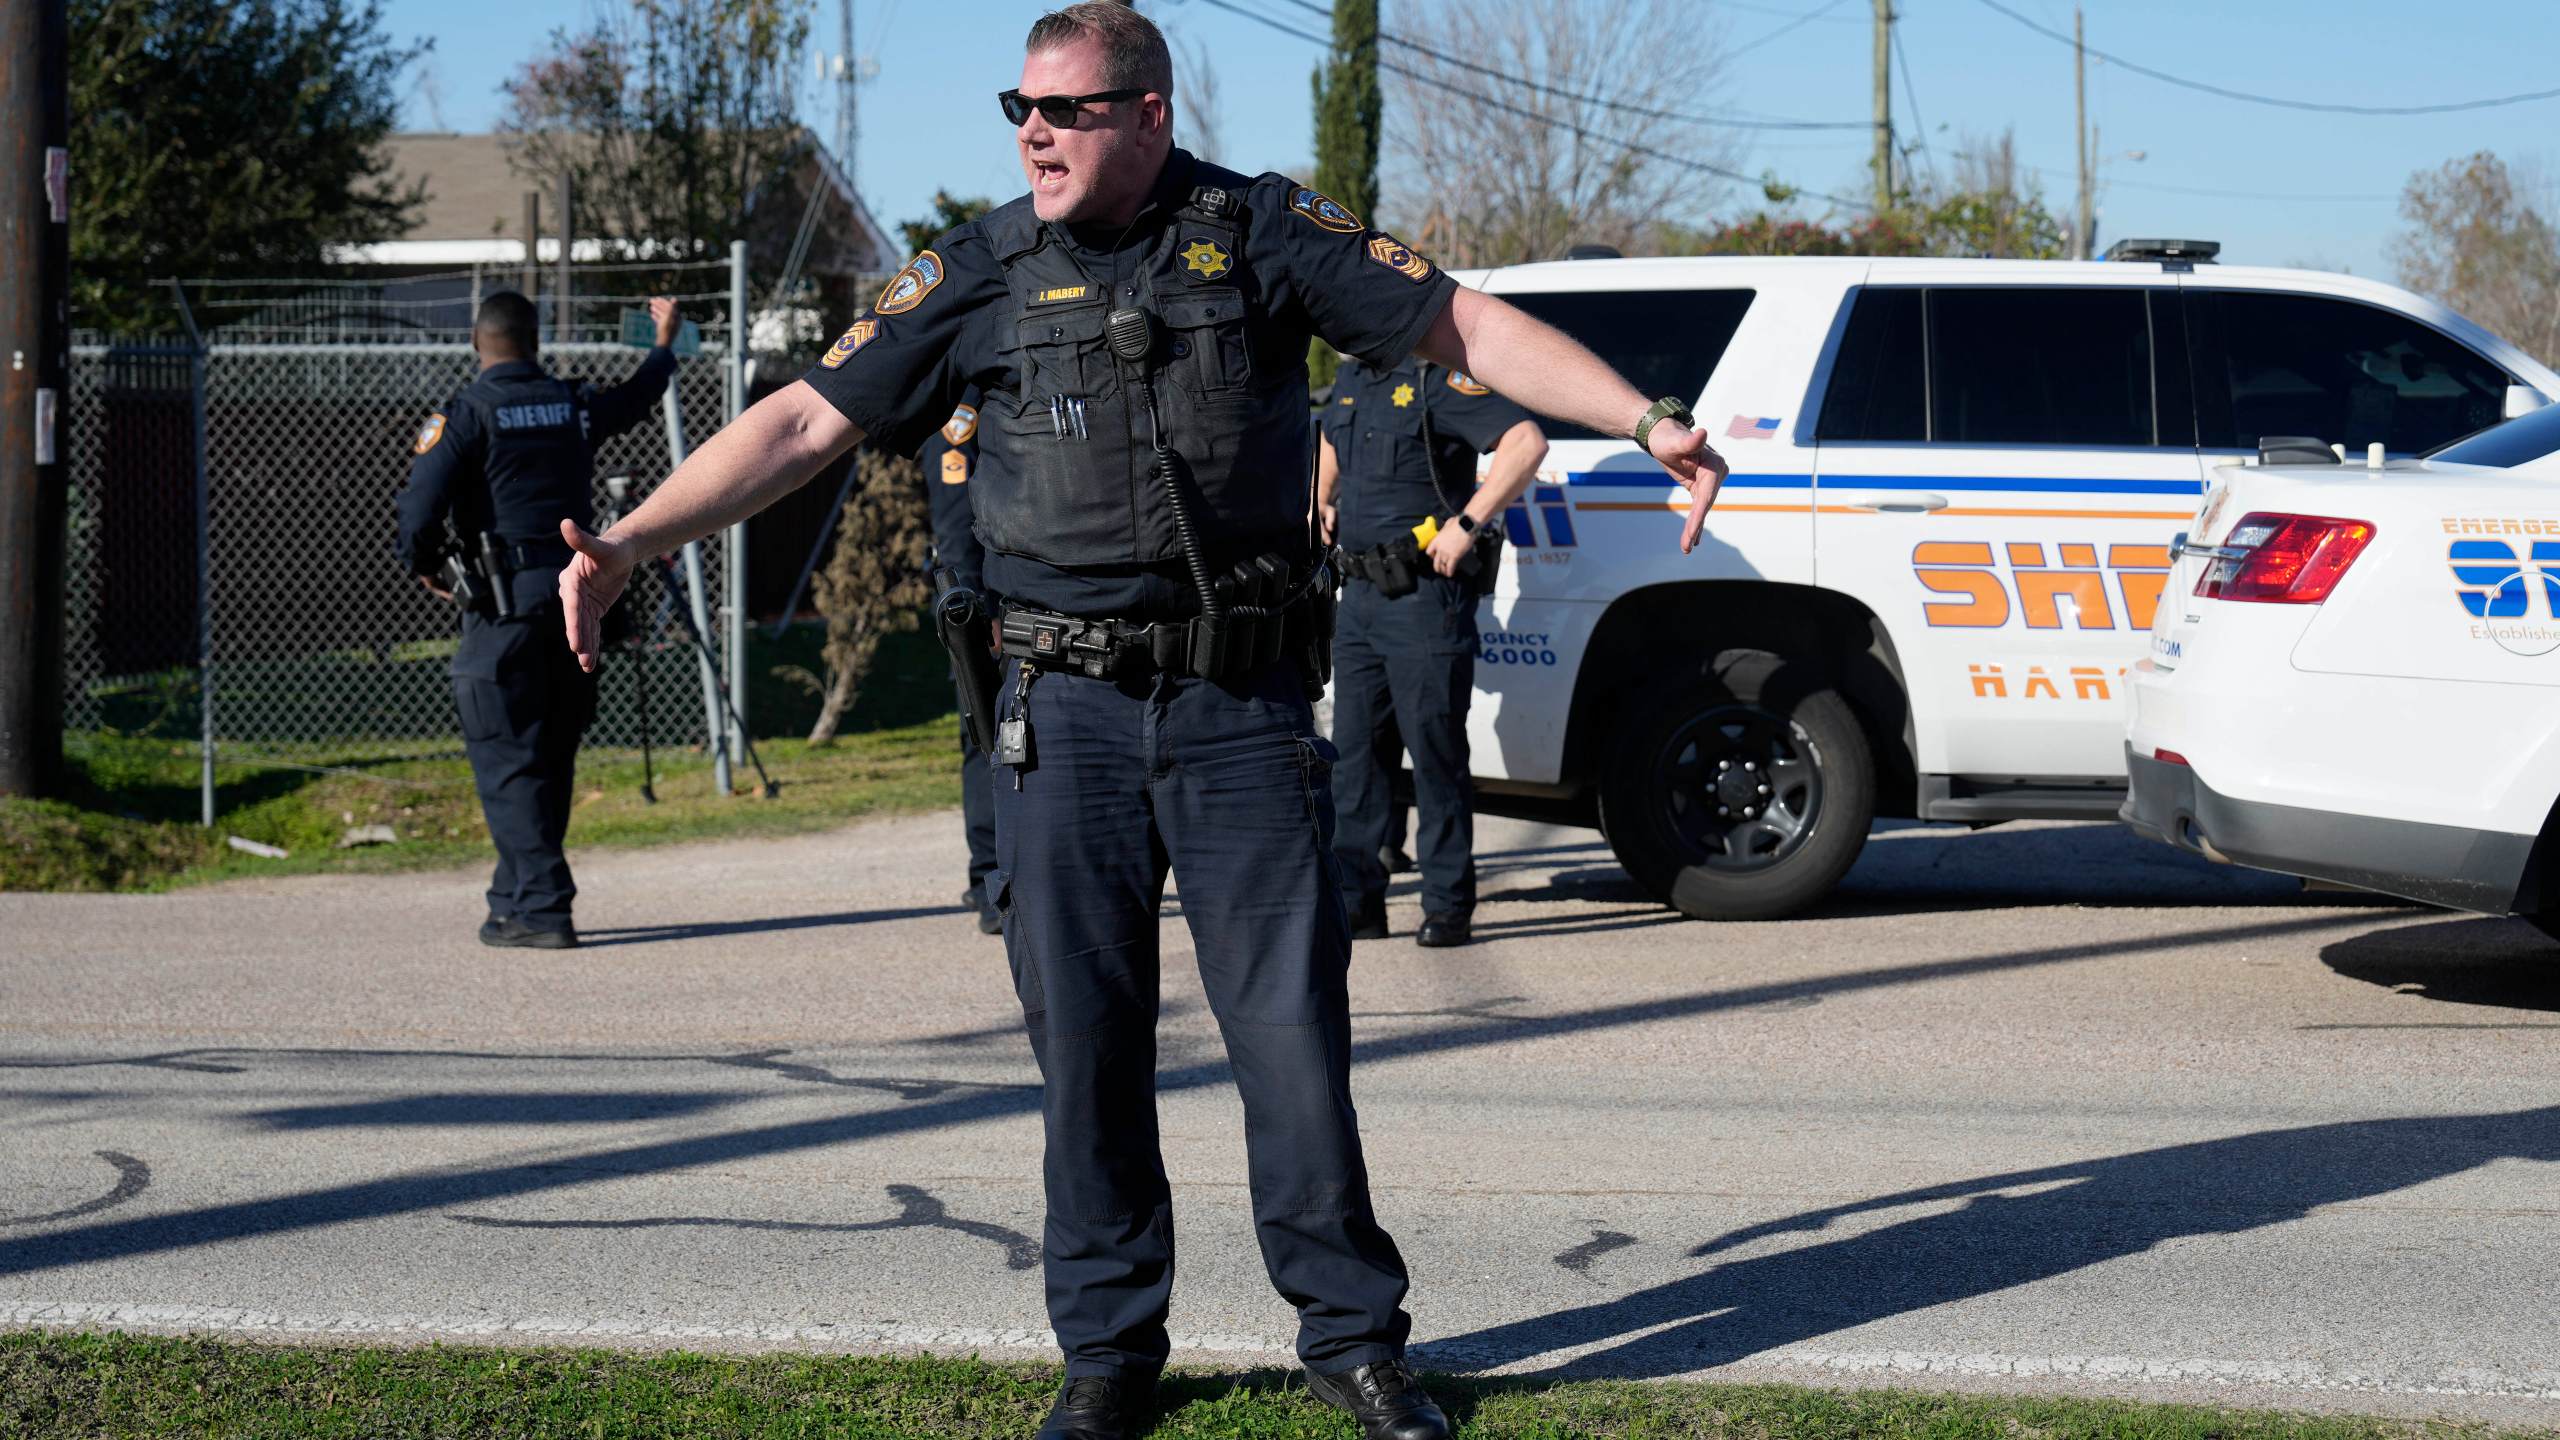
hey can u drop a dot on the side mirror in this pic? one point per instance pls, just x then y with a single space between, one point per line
2524 400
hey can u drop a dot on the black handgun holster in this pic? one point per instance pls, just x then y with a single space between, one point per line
960 617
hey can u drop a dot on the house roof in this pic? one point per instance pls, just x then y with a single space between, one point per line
474 210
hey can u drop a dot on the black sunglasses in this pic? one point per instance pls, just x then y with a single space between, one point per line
1058 110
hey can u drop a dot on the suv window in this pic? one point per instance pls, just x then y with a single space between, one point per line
2341 370
2044 366
1878 389
1666 342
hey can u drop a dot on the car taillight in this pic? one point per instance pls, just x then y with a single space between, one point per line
2283 559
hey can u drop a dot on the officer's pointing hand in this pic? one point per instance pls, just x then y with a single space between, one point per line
589 584
663 311
1696 465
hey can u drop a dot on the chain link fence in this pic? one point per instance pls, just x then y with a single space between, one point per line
231 579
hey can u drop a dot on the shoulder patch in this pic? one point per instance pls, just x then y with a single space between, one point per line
864 331
962 424
1465 384
1325 211
906 289
430 433
1393 253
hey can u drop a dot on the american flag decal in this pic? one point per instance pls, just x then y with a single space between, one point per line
1752 427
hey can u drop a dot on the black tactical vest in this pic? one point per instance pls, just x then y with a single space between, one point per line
1073 483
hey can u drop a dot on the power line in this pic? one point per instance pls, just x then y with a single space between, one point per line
1782 31
2278 102
2199 190
1630 146
1644 111
1911 97
1787 14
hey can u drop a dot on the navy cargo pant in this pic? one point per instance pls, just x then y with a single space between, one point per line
977 800
1226 785
525 705
1407 668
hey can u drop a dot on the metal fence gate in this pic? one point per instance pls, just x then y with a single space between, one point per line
230 577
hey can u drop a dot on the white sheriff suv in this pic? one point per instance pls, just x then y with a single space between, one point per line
2356 674
1955 484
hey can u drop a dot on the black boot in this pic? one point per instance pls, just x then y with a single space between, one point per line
512 933
1100 1407
1385 1398
1369 918
1439 931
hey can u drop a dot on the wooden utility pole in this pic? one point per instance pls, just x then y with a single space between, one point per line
533 247
1884 105
35 387
563 316
2083 240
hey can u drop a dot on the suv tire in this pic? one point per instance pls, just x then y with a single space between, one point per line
1742 796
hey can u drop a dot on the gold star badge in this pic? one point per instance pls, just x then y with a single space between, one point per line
1205 260
1403 396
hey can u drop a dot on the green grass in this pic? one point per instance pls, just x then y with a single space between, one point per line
129 821
54 1384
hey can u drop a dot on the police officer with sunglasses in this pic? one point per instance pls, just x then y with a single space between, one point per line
1139 324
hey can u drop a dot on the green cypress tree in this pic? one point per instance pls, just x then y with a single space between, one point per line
1347 107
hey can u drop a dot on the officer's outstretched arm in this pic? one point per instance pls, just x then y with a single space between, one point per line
1549 371
753 461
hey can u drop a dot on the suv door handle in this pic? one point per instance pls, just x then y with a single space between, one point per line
1899 502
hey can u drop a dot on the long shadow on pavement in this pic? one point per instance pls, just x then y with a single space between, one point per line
440 1189
715 929
2102 1210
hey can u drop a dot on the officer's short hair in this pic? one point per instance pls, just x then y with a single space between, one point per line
1134 56
510 319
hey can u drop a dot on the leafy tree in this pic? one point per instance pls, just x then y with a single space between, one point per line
949 212
226 138
668 117
1347 108
874 584
2484 240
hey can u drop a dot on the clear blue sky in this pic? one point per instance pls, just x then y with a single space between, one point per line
929 118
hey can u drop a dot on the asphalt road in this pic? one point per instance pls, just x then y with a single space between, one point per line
2037 1107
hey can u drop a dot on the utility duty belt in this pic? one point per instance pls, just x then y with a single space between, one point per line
1129 649
481 577
1397 566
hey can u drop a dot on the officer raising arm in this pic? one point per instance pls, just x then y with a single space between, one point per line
1139 324
509 461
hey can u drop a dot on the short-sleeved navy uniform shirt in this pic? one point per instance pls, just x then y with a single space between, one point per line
1312 268
1392 431
950 460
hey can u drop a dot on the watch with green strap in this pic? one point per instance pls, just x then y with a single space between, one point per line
1665 408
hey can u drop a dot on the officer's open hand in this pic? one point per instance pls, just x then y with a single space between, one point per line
1449 547
428 583
1696 465
589 584
669 319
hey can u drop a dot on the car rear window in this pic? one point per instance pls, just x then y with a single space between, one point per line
2520 441
1666 342
2342 370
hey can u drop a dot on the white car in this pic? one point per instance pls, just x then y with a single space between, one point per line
2356 675
1955 484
